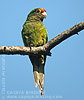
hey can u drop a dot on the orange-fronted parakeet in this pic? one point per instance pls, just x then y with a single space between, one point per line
34 34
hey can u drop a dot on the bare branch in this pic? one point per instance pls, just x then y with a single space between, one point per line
45 49
23 50
66 34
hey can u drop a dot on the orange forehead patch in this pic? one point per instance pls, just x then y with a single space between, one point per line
42 9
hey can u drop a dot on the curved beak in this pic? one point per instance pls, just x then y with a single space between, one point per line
44 14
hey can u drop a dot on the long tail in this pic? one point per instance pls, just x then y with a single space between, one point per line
38 72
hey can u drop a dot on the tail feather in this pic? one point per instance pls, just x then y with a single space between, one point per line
36 78
38 71
41 83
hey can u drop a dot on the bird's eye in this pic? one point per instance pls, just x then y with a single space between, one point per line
38 11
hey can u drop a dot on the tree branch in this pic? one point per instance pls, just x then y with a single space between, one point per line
45 49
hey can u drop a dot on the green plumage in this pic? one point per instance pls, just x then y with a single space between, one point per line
34 34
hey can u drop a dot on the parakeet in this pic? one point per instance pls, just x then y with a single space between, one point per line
34 34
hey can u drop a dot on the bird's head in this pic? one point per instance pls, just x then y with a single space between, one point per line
37 14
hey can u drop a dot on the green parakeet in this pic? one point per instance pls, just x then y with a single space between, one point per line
34 34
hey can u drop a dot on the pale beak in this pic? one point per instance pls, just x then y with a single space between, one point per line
44 14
